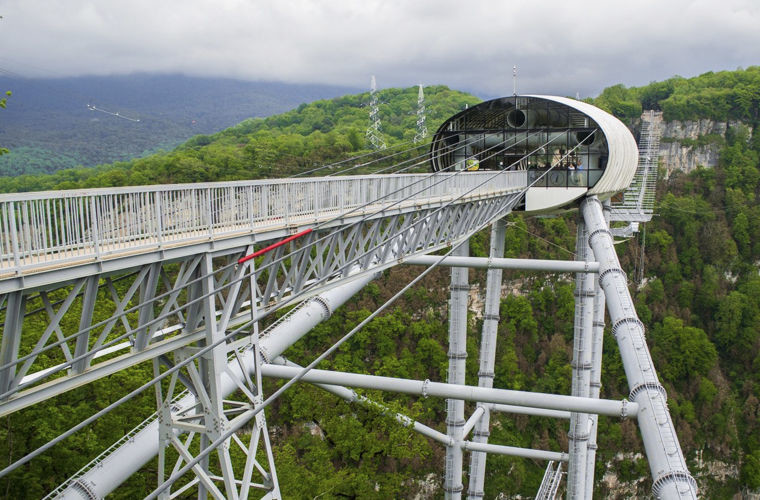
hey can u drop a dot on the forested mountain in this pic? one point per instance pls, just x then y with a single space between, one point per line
723 96
693 271
51 124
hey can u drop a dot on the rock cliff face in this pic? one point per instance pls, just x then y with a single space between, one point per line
689 144
676 155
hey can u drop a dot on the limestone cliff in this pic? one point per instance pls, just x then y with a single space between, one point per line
689 144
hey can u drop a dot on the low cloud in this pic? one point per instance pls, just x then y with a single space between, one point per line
560 47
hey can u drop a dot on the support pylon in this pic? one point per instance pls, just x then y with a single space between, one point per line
582 345
480 434
596 372
452 485
212 414
666 461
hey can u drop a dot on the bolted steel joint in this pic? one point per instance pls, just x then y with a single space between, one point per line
425 386
648 386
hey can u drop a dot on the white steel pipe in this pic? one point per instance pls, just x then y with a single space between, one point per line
427 388
536 412
452 481
514 451
474 419
119 463
475 488
670 475
552 266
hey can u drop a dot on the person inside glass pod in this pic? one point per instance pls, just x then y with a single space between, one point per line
472 164
570 146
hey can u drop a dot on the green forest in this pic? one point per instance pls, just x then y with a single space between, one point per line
693 271
721 96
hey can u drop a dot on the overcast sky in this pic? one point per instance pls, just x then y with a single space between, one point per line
561 47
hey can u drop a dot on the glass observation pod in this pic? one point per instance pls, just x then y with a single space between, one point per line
567 148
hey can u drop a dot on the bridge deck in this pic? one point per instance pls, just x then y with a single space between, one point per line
66 232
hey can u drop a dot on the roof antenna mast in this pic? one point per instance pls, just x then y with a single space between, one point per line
514 80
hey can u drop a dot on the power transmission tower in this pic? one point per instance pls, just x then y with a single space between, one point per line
374 136
421 128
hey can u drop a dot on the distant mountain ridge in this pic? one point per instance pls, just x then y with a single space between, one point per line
49 124
289 143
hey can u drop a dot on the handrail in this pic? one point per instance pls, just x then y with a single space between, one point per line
58 227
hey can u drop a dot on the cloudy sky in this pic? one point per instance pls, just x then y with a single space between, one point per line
560 46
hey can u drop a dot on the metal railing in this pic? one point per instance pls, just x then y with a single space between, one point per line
60 227
638 200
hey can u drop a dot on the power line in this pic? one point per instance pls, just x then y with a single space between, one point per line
220 441
167 294
178 366
92 107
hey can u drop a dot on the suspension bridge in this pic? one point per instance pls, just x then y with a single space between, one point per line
188 273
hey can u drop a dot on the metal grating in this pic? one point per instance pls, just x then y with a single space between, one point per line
638 200
550 483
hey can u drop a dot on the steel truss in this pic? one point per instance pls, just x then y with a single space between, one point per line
167 311
157 308
103 474
212 414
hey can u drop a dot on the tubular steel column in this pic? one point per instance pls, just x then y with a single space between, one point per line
597 343
671 477
212 367
14 318
596 382
487 358
457 355
584 319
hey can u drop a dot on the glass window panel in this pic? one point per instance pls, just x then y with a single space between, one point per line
557 178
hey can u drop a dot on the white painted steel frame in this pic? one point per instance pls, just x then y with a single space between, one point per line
670 474
317 262
558 266
578 434
107 471
457 354
57 229
487 358
427 388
